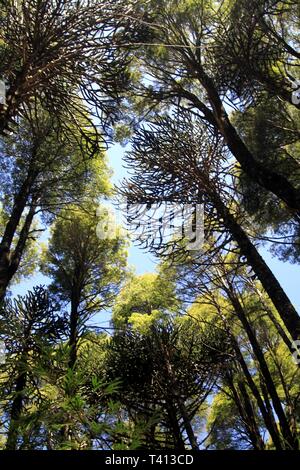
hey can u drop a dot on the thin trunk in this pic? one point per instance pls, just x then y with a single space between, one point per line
20 202
256 170
267 402
186 420
150 440
284 425
73 338
73 346
267 413
244 406
17 406
12 263
290 408
188 426
174 426
271 285
253 428
66 431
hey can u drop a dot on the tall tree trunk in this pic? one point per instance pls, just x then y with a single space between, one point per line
290 408
244 406
73 338
257 440
174 426
75 298
19 204
256 170
74 319
17 405
269 282
267 414
284 425
176 394
187 424
12 261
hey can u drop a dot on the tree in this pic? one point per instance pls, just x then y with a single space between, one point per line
258 46
147 295
86 270
179 54
29 326
166 368
270 129
39 395
252 325
229 422
201 353
188 167
53 51
43 170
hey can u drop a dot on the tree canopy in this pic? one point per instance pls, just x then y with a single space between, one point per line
203 352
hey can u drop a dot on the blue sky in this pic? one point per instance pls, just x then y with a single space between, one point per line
287 274
140 259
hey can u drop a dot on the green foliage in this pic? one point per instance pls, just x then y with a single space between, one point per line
197 356
226 424
145 300
270 129
77 256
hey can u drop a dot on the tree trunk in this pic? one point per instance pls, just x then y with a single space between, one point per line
244 406
267 414
269 282
73 338
284 425
17 406
9 267
188 426
175 428
253 428
180 403
256 170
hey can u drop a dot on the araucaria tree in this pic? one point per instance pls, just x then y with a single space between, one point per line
86 270
52 51
43 170
203 352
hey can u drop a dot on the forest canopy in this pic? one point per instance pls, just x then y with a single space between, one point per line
203 353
